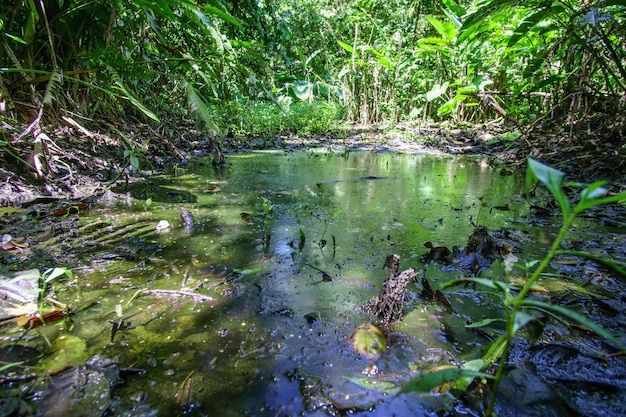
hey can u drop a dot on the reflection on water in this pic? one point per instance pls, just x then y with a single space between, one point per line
274 341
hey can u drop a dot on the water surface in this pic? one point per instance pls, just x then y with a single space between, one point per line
274 339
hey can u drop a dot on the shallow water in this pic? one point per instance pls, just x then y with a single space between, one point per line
262 224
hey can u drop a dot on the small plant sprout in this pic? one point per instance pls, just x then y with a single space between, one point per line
514 298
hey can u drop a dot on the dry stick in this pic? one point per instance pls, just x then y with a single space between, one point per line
195 296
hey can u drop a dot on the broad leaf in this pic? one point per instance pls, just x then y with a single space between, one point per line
551 80
303 90
528 23
476 365
483 15
457 9
437 91
368 340
552 179
445 29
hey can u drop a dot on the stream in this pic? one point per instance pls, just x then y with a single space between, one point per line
235 291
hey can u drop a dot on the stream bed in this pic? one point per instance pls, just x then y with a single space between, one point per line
237 291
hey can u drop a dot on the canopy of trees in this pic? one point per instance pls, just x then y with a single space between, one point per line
378 60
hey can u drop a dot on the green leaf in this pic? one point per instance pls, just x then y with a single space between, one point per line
16 39
487 10
427 381
495 349
559 311
381 59
448 107
499 286
483 15
526 25
199 108
346 47
302 89
445 29
483 323
120 86
550 81
371 383
205 24
432 43
52 274
224 15
457 9
477 365
368 340
552 179
521 320
437 91
10 365
134 162
311 57
536 64
592 194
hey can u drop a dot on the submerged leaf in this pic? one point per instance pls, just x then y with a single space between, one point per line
371 383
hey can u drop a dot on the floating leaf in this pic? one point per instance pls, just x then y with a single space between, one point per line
368 340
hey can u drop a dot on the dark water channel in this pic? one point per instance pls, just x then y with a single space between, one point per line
271 336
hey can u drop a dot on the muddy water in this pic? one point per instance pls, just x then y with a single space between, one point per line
271 335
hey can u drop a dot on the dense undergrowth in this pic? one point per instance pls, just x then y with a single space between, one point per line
553 71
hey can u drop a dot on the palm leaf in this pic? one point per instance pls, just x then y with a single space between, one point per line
199 108
129 95
526 25
484 14
54 85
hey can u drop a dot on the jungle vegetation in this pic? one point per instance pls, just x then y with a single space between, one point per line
260 68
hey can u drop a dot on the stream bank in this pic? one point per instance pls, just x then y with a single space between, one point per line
81 162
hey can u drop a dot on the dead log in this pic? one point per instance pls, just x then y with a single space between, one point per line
387 305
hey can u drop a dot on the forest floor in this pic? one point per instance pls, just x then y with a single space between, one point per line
77 163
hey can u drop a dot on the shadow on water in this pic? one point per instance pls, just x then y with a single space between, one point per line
273 339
